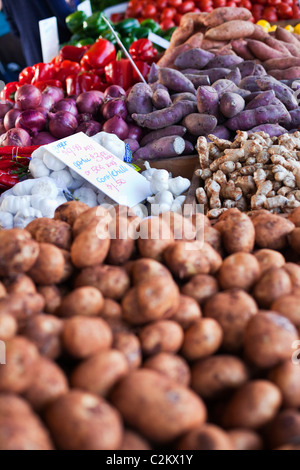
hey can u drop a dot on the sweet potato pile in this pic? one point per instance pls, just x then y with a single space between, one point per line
168 342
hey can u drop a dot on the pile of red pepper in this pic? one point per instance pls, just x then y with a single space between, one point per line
14 163
80 69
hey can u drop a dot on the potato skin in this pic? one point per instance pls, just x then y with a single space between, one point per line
173 366
203 338
271 230
269 259
49 265
22 306
85 300
245 439
287 378
156 407
154 237
253 405
69 211
44 331
18 251
134 441
188 311
83 421
128 344
91 218
294 240
100 372
232 309
88 249
56 232
289 307
111 310
112 281
83 336
161 336
144 269
268 339
206 437
284 429
213 376
19 284
8 326
52 296
237 231
272 285
201 287
185 259
240 271
294 217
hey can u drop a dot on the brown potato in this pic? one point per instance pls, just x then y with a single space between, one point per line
203 338
89 248
161 336
49 265
272 285
83 336
188 311
8 326
21 356
269 259
289 307
284 429
156 406
182 227
85 300
22 306
49 383
271 230
83 421
287 378
100 372
19 284
44 331
91 218
128 344
293 270
171 365
294 217
68 266
201 287
268 339
56 232
245 439
134 441
185 259
111 310
144 269
155 299
20 427
69 211
253 405
112 281
212 237
52 297
237 231
154 237
239 270
213 376
207 437
294 240
18 251
232 310
122 240
3 290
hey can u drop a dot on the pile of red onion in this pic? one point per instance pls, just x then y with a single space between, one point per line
39 118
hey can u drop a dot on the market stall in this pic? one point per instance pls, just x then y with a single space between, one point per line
149 241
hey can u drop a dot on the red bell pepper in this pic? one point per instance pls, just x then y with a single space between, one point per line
43 72
72 53
66 68
8 92
119 72
26 75
82 82
143 49
45 83
143 68
101 53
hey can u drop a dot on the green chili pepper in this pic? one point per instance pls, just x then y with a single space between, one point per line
125 27
107 34
77 36
127 41
75 20
85 42
167 33
150 24
139 33
94 25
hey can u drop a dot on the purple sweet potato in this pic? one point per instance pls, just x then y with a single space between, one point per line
282 92
226 86
195 57
183 96
165 147
200 124
189 148
263 98
274 130
165 117
198 80
175 80
139 99
259 70
246 68
216 73
231 104
222 133
180 131
207 100
223 61
295 119
133 144
161 98
234 76
153 73
249 83
271 114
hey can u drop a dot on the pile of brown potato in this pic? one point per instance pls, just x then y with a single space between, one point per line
154 343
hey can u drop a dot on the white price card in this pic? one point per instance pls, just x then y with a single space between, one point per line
158 40
49 38
120 8
85 7
101 168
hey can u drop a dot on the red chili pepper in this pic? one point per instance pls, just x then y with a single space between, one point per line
101 53
42 85
72 53
8 92
43 72
119 72
143 49
143 68
26 75
66 68
7 179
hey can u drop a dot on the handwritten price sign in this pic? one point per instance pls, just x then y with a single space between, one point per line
101 168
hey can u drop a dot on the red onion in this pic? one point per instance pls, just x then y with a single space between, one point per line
10 118
43 138
116 125
31 120
28 97
62 124
56 93
5 106
89 128
2 128
134 132
84 117
66 104
15 137
43 111
114 107
114 91
46 102
90 101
